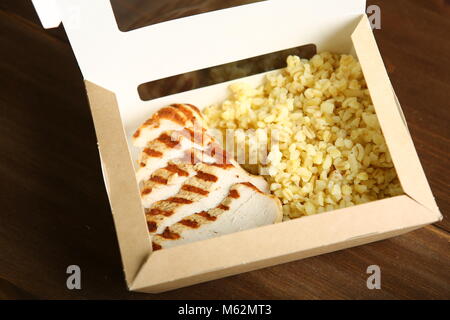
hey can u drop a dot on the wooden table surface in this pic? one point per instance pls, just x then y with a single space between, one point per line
54 207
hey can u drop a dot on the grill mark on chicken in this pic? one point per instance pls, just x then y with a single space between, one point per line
223 207
152 121
168 141
168 113
158 212
158 179
175 169
152 153
188 113
234 194
170 171
191 188
151 226
167 234
190 223
195 109
223 165
250 185
156 246
171 113
146 191
207 216
206 176
179 200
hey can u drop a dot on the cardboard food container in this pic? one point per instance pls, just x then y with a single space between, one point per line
115 63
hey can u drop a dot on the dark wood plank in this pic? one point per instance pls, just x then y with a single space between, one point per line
25 13
55 210
8 291
46 128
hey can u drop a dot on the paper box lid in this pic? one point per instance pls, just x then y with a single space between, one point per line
120 61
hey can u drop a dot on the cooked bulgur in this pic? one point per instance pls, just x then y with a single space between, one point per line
329 150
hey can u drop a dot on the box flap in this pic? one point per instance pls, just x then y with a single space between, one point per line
123 191
399 141
288 241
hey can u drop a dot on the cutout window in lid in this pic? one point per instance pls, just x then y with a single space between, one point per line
221 73
135 14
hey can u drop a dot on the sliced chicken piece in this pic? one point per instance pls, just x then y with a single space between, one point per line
201 192
171 145
244 208
167 181
170 118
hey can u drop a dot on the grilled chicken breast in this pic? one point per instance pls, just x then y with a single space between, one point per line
191 188
170 118
245 207
203 191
